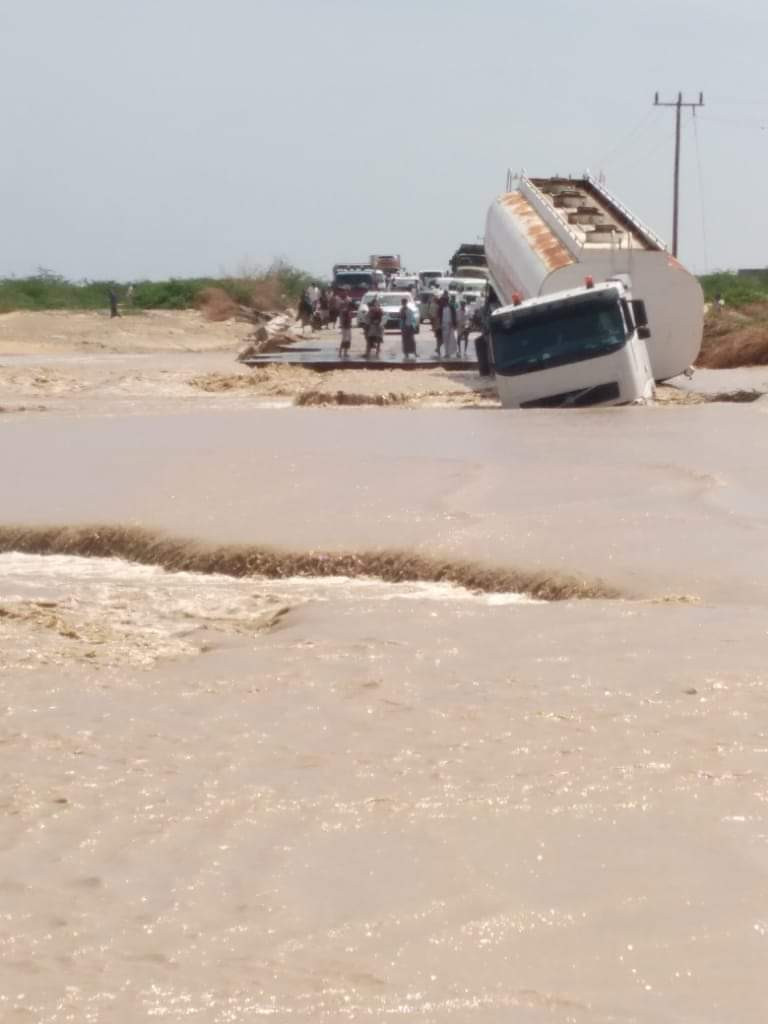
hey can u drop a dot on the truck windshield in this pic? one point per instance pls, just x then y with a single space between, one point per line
353 280
528 341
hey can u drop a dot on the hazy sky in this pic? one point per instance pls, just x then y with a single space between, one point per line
177 137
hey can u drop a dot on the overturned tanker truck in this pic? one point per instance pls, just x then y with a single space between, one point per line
587 305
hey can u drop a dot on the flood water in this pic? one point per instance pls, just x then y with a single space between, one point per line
343 799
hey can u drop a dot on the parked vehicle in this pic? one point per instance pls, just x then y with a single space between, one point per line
362 310
390 303
404 283
551 233
454 285
425 297
472 297
386 264
469 284
468 254
477 273
353 280
428 277
444 283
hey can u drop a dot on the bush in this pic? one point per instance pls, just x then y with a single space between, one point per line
216 305
178 293
734 289
275 288
48 291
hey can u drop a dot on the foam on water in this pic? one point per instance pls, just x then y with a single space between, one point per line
257 561
55 608
36 572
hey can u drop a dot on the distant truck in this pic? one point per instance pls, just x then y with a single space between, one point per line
387 264
550 234
404 282
470 256
478 273
427 278
353 280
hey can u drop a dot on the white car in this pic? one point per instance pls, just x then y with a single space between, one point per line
428 277
425 299
390 303
404 283
470 284
362 309
472 297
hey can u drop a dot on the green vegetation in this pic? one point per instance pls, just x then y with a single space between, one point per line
278 285
736 290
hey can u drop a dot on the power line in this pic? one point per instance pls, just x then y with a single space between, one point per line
642 158
625 139
678 104
730 101
701 192
760 125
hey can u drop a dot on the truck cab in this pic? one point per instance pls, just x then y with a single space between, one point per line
352 280
468 254
584 346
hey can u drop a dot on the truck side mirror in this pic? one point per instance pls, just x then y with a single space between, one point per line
638 309
644 332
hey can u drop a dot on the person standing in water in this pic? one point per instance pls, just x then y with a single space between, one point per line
334 308
462 326
407 329
448 325
434 317
345 321
374 331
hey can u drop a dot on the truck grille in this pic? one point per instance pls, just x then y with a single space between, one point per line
574 399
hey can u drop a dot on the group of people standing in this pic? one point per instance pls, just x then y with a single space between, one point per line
319 307
451 322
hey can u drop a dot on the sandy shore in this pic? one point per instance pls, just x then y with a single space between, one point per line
53 333
332 799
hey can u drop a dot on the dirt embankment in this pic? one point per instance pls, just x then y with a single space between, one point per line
735 337
148 547
49 333
356 387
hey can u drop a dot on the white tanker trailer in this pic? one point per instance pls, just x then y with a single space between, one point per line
548 239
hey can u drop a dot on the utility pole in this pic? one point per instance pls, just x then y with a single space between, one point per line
678 105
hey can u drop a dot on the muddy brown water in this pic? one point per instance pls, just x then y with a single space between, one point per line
344 799
652 500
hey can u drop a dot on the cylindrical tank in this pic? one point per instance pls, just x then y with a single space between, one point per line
552 233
